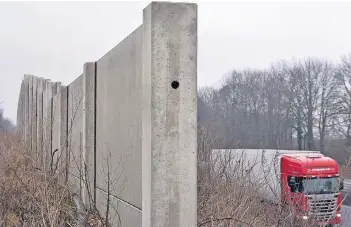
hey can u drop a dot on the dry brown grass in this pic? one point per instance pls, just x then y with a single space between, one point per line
29 196
231 204
225 202
231 200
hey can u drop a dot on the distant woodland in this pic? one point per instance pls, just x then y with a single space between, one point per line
6 125
300 104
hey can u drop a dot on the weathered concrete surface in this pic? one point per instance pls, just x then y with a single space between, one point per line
88 138
169 97
47 124
118 118
75 133
30 111
26 108
128 123
56 125
59 132
64 134
81 134
40 131
127 215
34 116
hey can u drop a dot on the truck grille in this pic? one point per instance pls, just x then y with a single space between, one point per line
322 207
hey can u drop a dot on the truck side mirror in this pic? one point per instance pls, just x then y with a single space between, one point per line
292 184
341 184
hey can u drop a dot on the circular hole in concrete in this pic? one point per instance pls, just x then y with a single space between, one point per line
175 84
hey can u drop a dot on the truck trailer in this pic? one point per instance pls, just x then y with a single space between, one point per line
306 181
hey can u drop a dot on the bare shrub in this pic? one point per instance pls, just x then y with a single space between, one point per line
29 195
225 199
228 195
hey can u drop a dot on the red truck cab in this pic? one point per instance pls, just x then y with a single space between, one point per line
311 186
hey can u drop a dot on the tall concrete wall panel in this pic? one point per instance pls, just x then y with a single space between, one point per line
63 150
40 91
118 118
26 97
34 116
56 125
127 127
88 139
75 132
81 134
30 115
27 124
47 122
169 99
59 131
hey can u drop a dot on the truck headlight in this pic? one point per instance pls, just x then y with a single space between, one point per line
338 215
304 217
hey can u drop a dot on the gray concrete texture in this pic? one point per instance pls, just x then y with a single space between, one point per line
30 110
89 135
26 109
39 142
127 126
75 131
127 215
118 99
47 123
59 132
56 126
34 116
169 113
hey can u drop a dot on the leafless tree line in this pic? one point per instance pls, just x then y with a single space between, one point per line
6 125
298 104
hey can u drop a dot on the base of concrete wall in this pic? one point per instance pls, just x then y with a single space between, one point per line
120 213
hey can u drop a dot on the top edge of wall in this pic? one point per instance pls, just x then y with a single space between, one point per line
27 76
75 80
172 2
121 42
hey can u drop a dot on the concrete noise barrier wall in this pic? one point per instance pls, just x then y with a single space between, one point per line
123 135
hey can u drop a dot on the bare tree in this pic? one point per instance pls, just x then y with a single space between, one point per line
344 78
298 104
6 124
295 97
328 107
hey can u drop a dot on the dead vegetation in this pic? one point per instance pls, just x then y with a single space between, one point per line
30 196
233 200
226 200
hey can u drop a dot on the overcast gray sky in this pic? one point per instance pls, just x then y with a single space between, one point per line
54 40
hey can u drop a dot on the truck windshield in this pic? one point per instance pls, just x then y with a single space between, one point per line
320 185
